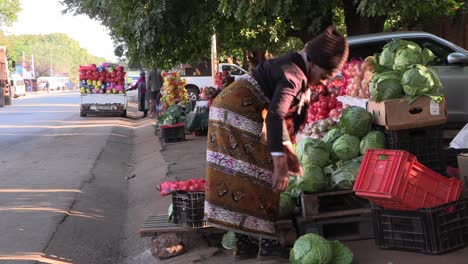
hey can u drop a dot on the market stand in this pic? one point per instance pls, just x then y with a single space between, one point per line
410 120
102 90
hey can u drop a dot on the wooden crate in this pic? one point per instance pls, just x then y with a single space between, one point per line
316 206
353 227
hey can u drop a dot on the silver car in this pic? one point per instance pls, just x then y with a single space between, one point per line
452 62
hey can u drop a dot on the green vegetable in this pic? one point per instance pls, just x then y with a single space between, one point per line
399 54
311 249
287 205
346 147
427 56
387 58
316 152
332 135
341 253
421 80
345 176
229 240
373 140
300 147
313 179
356 121
386 85
407 55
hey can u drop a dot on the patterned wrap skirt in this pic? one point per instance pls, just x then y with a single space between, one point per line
239 194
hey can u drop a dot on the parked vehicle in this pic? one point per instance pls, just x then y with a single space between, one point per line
197 78
55 83
31 83
452 63
5 95
18 87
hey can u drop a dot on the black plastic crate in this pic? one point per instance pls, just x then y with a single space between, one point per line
173 133
431 231
425 143
188 208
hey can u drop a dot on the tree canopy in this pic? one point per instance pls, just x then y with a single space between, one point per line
160 33
9 10
56 50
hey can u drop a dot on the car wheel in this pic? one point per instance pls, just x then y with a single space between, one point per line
82 114
8 100
124 114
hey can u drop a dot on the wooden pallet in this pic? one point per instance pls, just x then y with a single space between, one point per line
318 206
157 224
354 227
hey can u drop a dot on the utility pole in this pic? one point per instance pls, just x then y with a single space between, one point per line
51 71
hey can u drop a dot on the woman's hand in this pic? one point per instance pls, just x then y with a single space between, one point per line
280 173
294 166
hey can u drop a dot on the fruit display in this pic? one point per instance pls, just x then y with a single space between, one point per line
107 78
192 185
173 90
326 106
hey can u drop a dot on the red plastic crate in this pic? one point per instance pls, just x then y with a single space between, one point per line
394 179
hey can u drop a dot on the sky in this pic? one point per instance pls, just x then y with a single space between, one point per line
44 17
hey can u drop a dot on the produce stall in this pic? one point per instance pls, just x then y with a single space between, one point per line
373 163
102 90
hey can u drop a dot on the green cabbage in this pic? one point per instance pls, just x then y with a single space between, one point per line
287 205
427 56
345 176
332 135
313 179
315 151
346 147
386 85
229 240
356 121
399 54
373 140
421 80
311 249
341 253
301 145
387 58
406 55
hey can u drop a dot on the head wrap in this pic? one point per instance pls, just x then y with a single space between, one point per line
328 50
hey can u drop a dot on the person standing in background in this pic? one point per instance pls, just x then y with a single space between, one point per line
143 97
154 83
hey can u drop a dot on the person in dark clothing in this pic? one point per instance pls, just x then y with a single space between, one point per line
143 97
251 131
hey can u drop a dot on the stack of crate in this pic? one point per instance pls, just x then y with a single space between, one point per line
416 128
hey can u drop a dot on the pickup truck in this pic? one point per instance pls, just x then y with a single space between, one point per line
452 63
194 83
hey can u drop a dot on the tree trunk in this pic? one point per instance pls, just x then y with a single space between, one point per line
255 57
357 24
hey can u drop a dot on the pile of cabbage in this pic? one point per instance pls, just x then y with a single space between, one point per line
403 70
333 162
312 248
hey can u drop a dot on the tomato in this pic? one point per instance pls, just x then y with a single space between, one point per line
322 117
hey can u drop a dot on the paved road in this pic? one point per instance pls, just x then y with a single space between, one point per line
62 182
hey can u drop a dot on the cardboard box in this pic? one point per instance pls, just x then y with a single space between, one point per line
397 114
463 167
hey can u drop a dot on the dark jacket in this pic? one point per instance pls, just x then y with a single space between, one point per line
282 80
